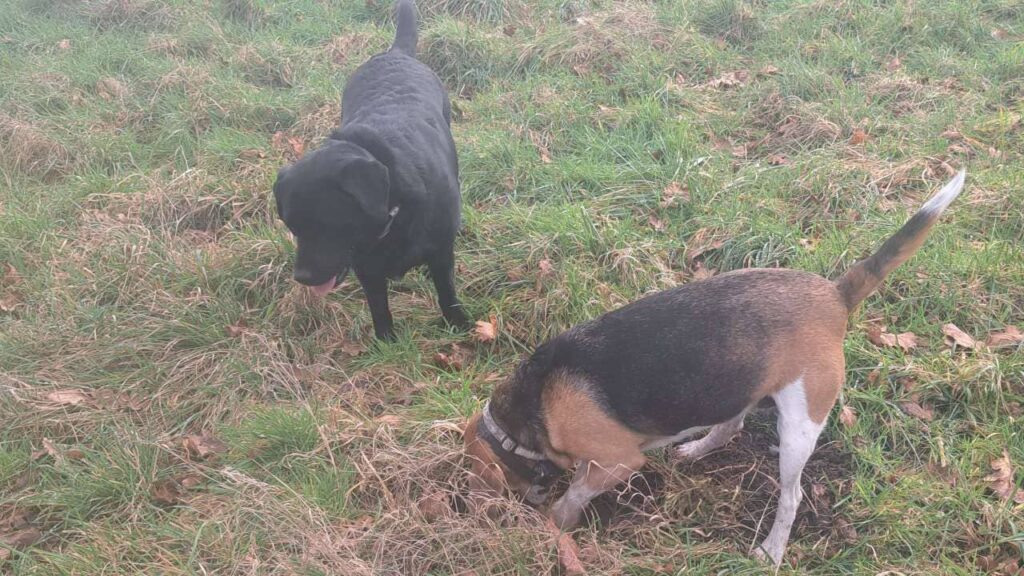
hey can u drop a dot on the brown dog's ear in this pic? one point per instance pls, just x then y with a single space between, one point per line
366 180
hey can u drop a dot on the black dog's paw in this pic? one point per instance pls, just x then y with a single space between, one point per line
385 334
456 318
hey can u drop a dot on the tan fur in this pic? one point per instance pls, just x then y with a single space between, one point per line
580 430
486 470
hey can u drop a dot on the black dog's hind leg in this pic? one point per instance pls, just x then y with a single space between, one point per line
442 270
376 290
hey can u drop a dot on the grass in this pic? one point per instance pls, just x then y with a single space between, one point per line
608 149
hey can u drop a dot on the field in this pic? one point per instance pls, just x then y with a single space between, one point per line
172 403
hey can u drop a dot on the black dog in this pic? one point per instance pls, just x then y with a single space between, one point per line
382 194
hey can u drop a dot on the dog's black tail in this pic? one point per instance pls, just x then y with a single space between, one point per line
405 35
864 276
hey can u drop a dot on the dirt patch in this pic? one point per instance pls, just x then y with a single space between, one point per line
731 495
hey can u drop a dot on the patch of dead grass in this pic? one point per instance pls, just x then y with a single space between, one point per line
599 41
145 14
28 149
792 125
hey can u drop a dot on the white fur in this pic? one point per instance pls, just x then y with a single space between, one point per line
937 203
718 436
798 435
667 440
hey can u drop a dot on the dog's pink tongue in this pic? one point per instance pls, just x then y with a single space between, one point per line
324 288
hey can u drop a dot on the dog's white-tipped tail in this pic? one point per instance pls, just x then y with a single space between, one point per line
864 277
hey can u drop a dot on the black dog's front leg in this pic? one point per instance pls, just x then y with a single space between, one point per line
442 270
376 290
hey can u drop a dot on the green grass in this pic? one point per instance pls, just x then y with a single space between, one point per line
137 154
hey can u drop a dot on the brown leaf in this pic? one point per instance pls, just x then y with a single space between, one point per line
485 331
848 416
454 359
879 337
9 302
509 30
894 64
237 329
67 397
190 481
110 88
1009 337
568 551
778 159
1000 34
657 223
1001 479
729 80
918 411
64 44
391 420
297 146
21 538
165 492
701 272
672 192
739 151
352 348
768 70
546 268
434 506
957 337
204 446
11 276
845 529
701 242
859 136
952 134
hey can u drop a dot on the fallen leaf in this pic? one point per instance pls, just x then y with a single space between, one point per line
64 44
847 416
701 242
20 538
879 337
434 506
454 359
1001 479
729 80
546 268
918 411
67 397
672 192
568 551
9 302
957 337
287 145
485 330
352 348
1009 337
509 30
110 88
237 329
1000 34
845 529
74 454
894 64
739 151
769 70
700 272
392 420
165 492
298 147
859 136
190 480
11 276
952 134
204 446
777 159
657 223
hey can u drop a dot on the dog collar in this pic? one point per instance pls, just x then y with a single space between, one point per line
391 219
542 472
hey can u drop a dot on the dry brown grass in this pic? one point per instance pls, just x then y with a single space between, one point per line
600 41
29 149
792 125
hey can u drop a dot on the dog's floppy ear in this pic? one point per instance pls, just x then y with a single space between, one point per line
366 181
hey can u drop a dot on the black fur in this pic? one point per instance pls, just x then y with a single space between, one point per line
394 149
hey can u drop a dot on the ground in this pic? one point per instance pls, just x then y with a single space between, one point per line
174 404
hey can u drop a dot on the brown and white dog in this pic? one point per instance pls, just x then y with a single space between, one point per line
673 364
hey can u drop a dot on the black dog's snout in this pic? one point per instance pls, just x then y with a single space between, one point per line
305 276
